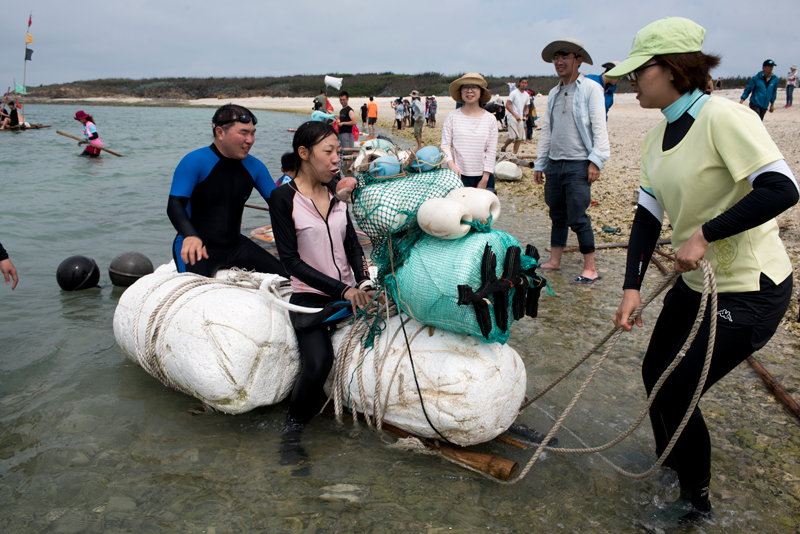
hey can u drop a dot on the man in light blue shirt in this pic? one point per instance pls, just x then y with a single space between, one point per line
573 147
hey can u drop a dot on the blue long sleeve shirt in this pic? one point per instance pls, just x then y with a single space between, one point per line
763 92
607 92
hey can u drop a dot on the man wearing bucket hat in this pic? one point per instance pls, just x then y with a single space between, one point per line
713 169
573 146
764 89
469 134
609 84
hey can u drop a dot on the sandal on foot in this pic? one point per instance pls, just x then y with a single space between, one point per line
584 281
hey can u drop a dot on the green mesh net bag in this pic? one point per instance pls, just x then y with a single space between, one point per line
476 285
385 206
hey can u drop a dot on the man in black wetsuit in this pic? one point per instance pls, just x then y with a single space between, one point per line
206 201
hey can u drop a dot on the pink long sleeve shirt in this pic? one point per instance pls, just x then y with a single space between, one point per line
471 142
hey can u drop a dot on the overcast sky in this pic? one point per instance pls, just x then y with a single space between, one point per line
159 38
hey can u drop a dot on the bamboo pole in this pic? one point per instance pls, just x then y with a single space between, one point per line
774 386
521 163
84 141
514 443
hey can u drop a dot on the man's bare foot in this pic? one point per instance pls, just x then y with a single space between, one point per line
549 266
590 273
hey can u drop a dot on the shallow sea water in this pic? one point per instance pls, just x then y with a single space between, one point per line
90 443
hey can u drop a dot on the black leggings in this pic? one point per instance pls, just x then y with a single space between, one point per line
244 255
745 322
316 358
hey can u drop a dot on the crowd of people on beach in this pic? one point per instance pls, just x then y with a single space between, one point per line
710 166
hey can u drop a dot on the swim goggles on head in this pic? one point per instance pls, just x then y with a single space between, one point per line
244 118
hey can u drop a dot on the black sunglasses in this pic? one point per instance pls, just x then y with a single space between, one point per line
633 75
244 118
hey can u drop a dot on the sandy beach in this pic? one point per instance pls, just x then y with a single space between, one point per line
613 192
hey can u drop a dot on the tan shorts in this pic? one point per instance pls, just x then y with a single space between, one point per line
516 129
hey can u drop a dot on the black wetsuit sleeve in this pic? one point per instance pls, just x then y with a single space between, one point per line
94 136
3 253
176 211
644 236
280 213
772 194
355 254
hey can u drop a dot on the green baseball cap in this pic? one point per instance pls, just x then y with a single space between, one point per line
672 35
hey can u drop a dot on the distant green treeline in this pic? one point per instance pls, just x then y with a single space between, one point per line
357 85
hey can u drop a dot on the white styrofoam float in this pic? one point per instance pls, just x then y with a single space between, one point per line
225 345
472 390
441 217
480 202
505 171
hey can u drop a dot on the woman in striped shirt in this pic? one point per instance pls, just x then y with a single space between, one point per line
469 134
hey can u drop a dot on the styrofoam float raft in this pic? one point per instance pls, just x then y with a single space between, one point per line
234 348
225 345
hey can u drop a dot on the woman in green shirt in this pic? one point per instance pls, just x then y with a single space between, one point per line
713 169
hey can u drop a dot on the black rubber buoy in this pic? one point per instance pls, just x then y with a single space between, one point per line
77 272
128 267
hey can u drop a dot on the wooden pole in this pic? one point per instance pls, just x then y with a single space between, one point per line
612 245
491 465
256 207
84 141
658 264
662 253
774 386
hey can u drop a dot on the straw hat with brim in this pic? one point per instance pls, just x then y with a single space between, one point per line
571 46
672 35
471 78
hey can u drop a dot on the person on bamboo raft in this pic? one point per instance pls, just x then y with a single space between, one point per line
319 248
711 166
90 135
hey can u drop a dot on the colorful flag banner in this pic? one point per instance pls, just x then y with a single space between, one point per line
30 19
28 38
20 89
28 54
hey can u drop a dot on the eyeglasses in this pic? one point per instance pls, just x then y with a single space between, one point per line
634 74
470 88
244 118
561 56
